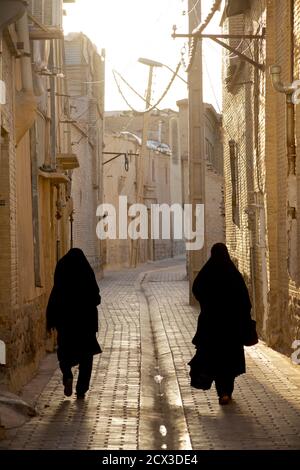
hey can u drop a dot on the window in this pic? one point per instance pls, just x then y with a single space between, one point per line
234 181
35 205
153 170
209 152
174 140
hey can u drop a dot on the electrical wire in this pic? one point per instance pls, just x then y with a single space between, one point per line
220 112
193 7
216 5
196 14
130 87
121 93
198 30
145 40
211 85
229 56
151 108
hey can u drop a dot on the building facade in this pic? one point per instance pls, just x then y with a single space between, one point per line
214 179
261 132
167 167
120 179
85 69
35 183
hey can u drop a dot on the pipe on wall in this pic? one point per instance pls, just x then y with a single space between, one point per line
26 103
288 90
52 111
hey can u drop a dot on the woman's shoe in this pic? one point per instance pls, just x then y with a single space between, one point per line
80 396
224 399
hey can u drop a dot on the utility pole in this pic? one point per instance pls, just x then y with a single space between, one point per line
142 162
196 158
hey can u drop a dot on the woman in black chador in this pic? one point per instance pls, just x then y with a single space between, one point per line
225 311
72 311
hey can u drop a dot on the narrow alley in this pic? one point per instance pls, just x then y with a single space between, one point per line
140 395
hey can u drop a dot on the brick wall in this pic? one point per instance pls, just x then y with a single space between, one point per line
255 118
8 205
84 64
85 200
22 324
117 182
214 180
288 40
294 290
214 210
22 301
243 122
162 249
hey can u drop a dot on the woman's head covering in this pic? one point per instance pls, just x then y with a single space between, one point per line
219 286
73 269
75 293
219 252
75 257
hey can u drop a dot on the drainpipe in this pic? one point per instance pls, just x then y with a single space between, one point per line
53 112
262 246
22 29
288 90
71 218
252 273
26 104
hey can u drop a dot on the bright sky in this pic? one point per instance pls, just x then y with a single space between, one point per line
129 29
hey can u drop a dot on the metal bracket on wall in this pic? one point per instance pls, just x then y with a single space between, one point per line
120 154
216 38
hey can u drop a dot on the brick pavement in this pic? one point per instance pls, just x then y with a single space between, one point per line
125 405
265 413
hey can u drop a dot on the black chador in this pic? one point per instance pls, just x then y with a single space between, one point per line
225 310
72 311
